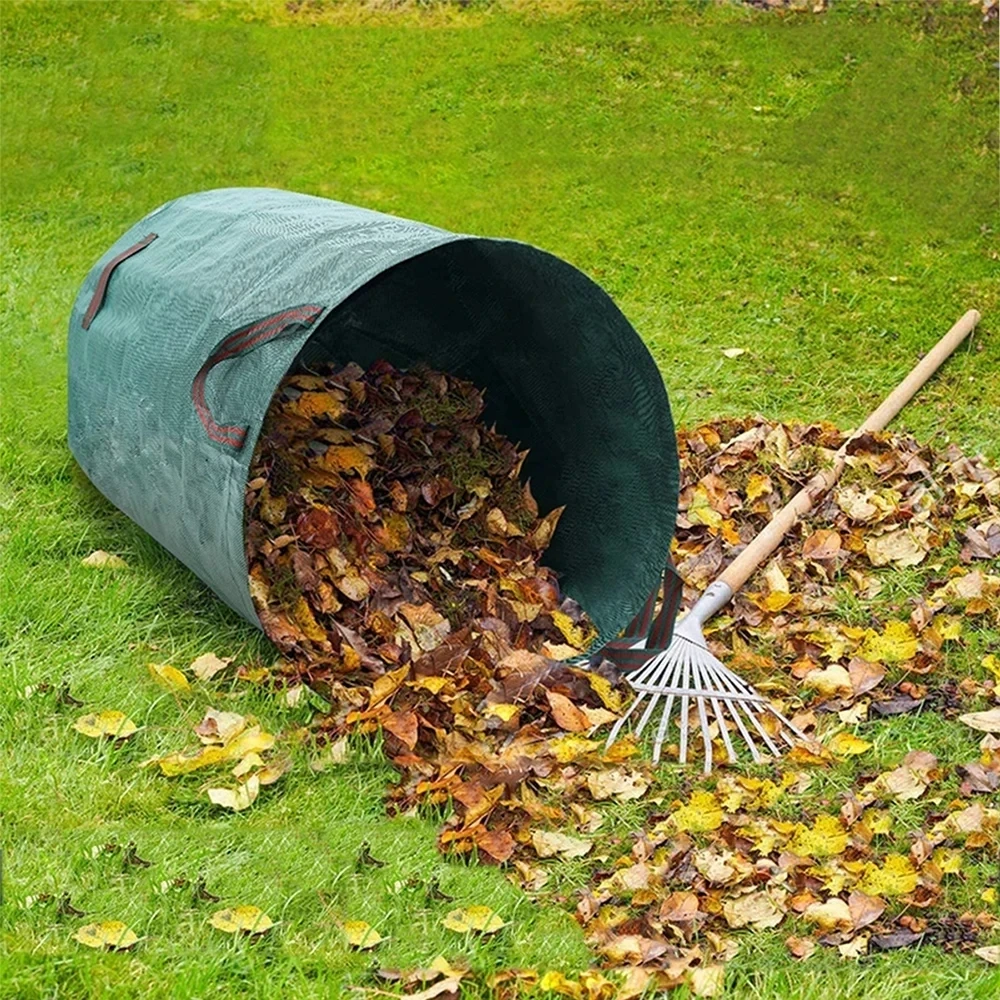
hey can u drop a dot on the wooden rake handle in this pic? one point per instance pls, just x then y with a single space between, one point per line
744 565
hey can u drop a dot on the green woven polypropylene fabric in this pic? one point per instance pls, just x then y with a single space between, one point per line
171 378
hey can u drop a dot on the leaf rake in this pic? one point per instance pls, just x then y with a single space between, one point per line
685 672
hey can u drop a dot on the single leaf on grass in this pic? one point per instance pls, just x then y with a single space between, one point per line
241 920
733 352
708 980
168 677
219 727
274 770
845 744
99 559
239 798
826 839
864 675
985 722
991 662
896 877
480 919
548 843
800 947
206 666
361 935
111 935
110 723
896 644
701 814
990 953
904 547
908 781
617 783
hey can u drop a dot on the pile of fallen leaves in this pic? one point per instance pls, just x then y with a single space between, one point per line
481 719
386 521
899 504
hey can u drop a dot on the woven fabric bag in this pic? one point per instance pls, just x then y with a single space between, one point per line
184 328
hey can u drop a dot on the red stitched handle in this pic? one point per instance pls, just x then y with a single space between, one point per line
102 285
658 630
244 339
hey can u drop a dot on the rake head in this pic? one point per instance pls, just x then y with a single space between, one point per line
686 673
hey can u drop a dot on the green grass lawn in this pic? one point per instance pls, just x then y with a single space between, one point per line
819 190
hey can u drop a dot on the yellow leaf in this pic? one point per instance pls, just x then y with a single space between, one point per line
480 919
989 895
576 635
604 690
110 723
991 663
548 844
834 914
347 458
112 935
732 352
568 748
708 980
206 666
556 982
248 763
896 644
757 486
700 510
168 677
245 919
834 680
386 686
270 773
846 744
433 684
702 813
826 838
100 559
236 799
502 711
880 821
361 935
172 764
950 862
304 618
949 628
896 877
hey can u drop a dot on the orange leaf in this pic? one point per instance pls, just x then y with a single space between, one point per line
403 725
566 714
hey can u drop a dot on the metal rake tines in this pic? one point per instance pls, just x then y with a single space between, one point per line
686 671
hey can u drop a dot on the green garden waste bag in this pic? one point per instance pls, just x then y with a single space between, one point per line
184 328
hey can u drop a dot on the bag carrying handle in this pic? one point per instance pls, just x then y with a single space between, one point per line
287 321
623 652
97 300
